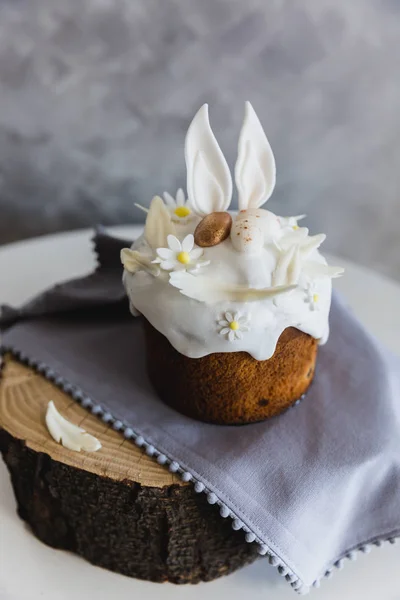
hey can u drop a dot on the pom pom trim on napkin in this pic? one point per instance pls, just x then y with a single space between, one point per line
163 459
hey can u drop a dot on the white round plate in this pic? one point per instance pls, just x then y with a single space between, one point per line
29 570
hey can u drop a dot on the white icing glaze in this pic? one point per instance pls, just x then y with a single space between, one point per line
67 434
267 276
191 326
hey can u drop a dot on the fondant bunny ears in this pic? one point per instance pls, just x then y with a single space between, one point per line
209 182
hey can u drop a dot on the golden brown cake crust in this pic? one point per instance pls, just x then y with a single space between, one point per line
231 388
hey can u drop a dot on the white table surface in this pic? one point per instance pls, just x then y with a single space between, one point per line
31 570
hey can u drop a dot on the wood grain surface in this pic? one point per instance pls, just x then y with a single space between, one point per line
117 508
24 396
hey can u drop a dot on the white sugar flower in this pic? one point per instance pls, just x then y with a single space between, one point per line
295 258
311 297
180 256
291 221
233 325
179 207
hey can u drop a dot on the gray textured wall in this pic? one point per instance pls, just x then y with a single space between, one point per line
96 96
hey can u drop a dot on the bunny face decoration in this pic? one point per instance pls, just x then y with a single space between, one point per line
252 262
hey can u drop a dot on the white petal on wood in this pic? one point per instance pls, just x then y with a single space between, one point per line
209 182
255 169
158 224
133 261
315 270
69 435
209 290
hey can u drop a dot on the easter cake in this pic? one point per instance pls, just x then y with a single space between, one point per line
234 304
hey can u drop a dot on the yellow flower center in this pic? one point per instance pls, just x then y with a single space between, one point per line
295 227
183 257
315 298
182 211
234 325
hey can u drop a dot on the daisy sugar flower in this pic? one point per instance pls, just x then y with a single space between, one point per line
179 207
233 325
180 256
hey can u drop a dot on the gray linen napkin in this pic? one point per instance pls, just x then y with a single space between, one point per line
311 486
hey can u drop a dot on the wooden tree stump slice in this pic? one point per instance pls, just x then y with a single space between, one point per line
117 507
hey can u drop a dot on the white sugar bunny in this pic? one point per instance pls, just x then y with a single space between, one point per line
255 176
